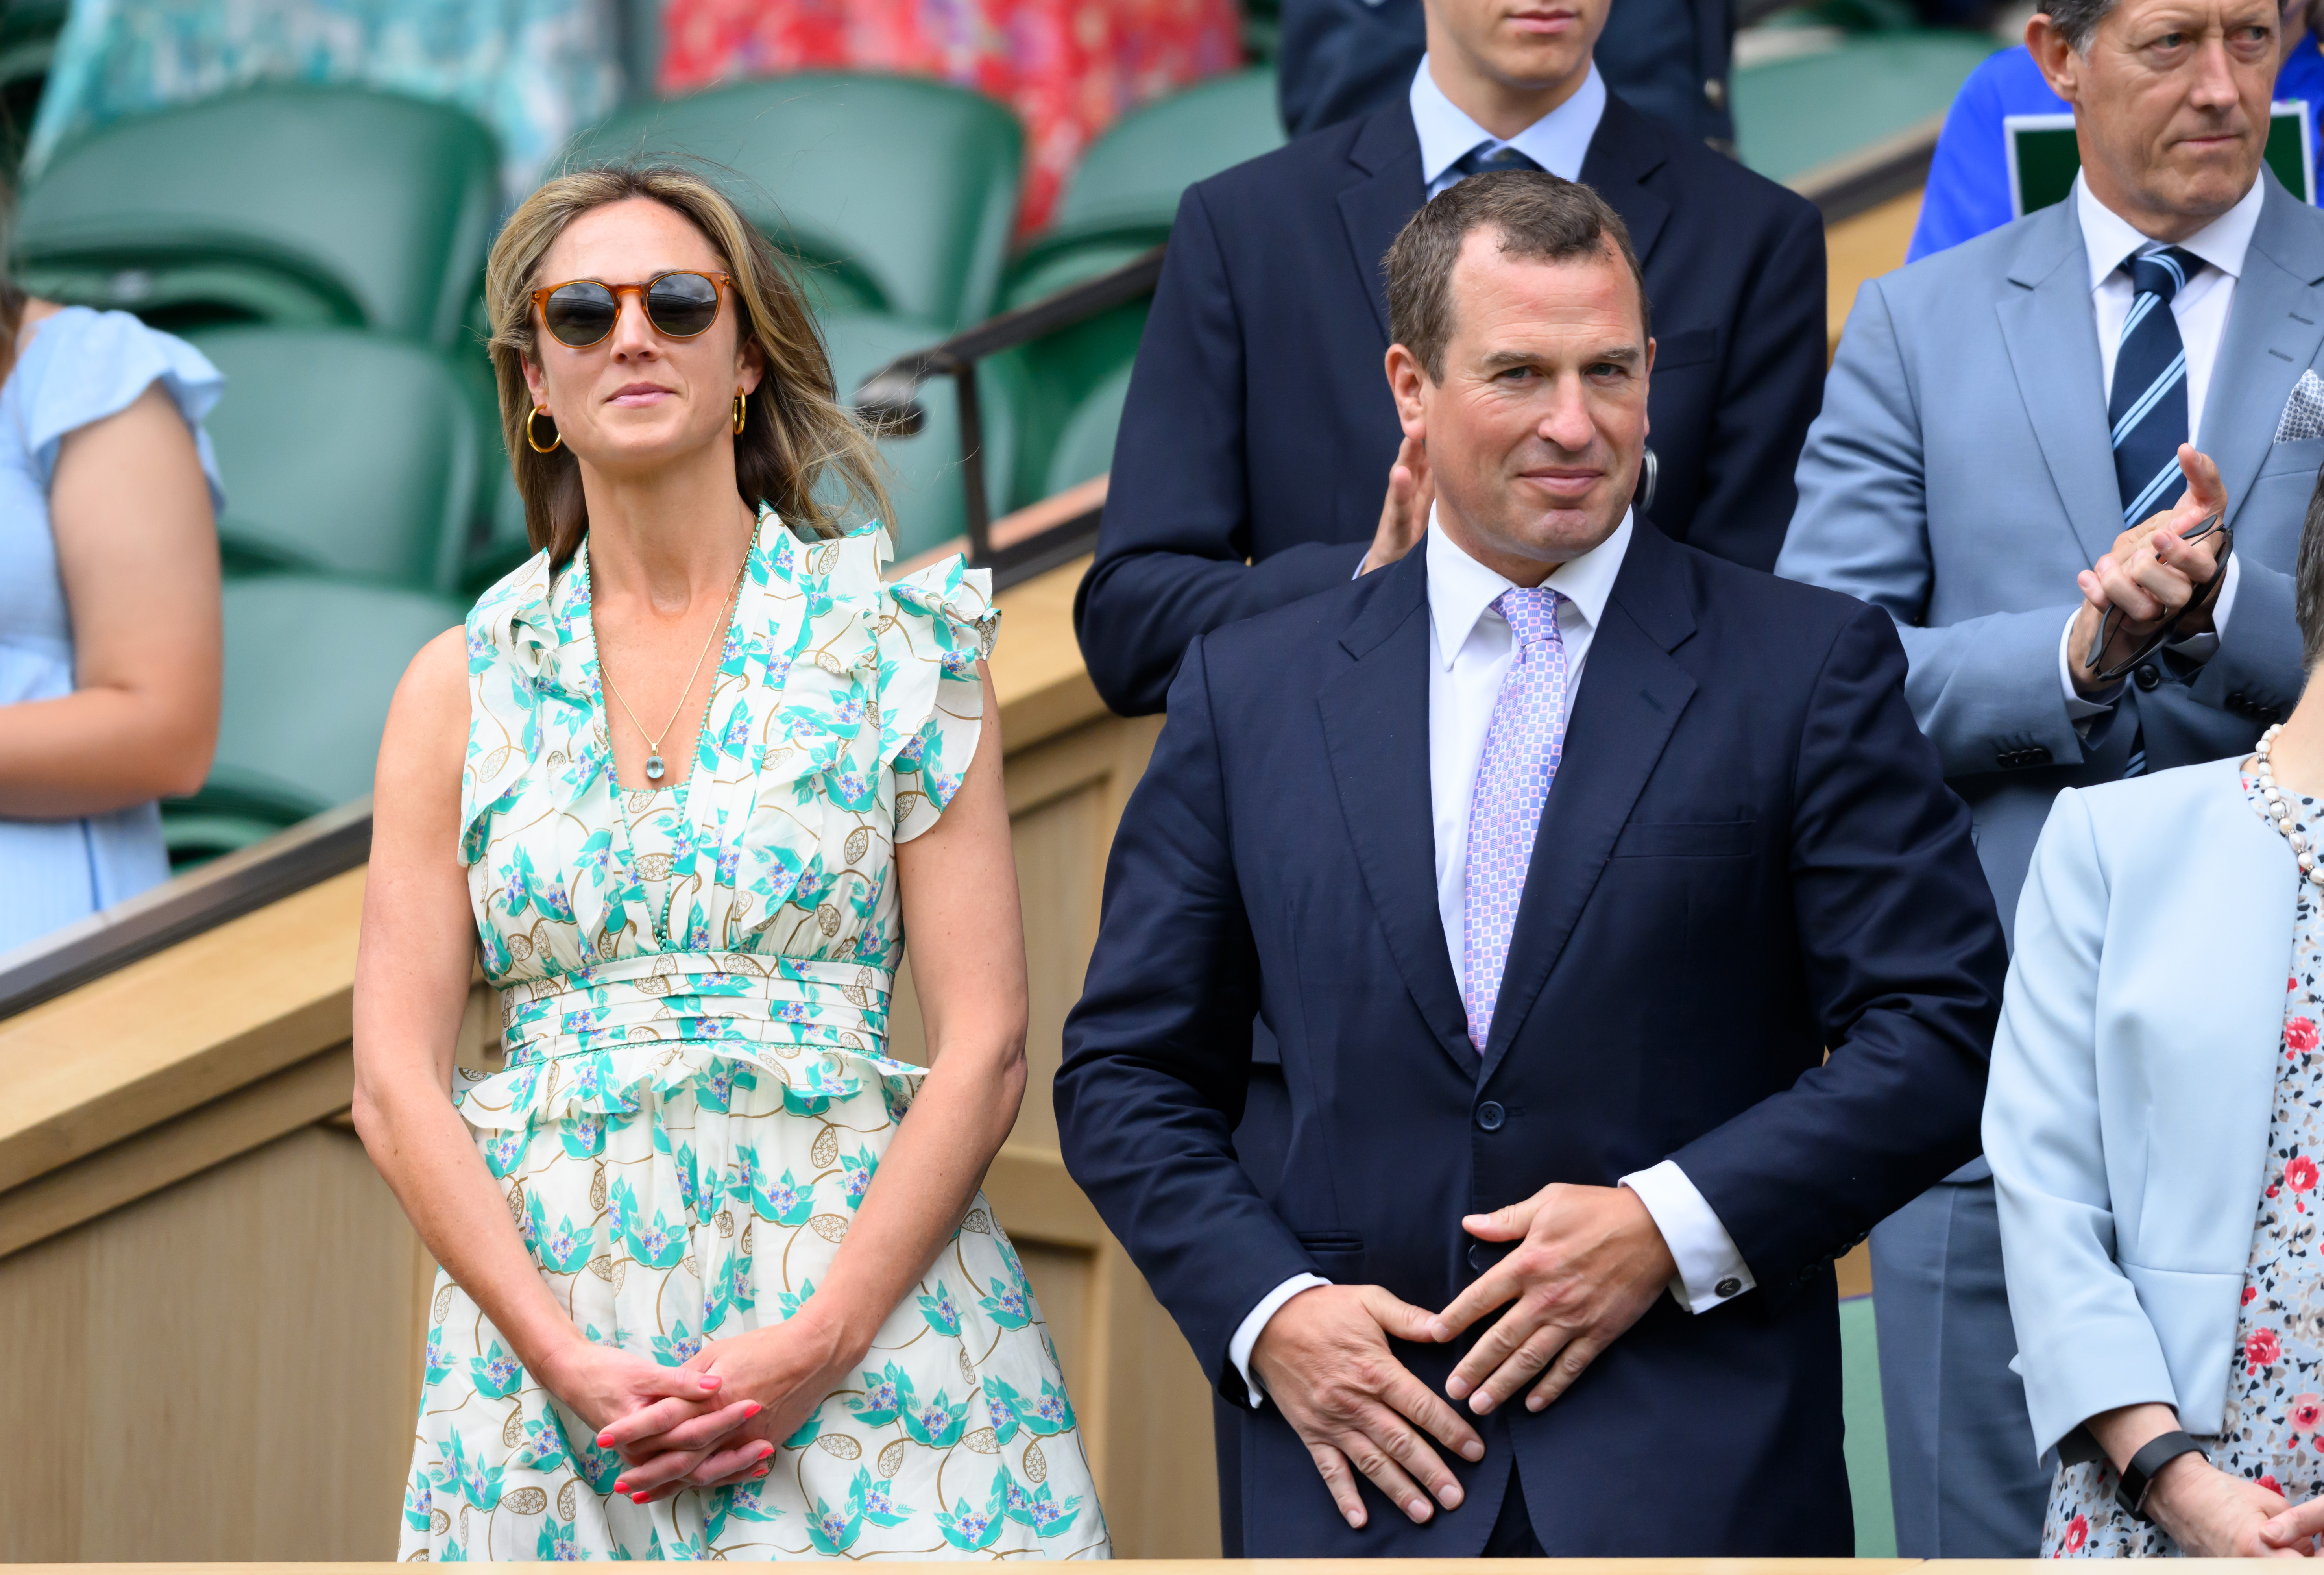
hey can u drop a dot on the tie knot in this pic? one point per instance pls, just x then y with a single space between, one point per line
1483 160
1532 614
2165 272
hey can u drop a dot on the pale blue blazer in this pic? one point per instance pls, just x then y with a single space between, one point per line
2133 1077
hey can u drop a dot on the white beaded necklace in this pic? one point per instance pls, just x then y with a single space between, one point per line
2279 809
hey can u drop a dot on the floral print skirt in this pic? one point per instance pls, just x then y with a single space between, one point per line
673 1194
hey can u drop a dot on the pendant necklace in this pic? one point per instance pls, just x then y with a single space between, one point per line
656 767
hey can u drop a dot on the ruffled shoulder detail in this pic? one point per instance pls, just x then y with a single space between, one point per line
938 623
512 631
84 365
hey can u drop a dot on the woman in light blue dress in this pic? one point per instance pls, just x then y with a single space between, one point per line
109 643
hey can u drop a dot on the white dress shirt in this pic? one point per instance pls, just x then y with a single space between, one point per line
1557 142
1469 648
2200 309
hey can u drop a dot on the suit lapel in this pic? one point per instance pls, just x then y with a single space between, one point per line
1625 150
1390 191
2047 326
1629 699
1376 732
2273 333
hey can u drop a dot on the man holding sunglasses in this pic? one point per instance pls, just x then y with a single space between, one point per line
2070 457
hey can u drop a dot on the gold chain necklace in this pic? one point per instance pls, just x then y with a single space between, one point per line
656 767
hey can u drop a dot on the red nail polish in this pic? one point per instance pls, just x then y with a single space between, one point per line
751 1410
637 1498
762 1470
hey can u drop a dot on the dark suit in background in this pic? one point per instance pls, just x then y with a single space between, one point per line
1748 853
1340 58
1259 427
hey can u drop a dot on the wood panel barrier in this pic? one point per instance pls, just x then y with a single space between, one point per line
215 1308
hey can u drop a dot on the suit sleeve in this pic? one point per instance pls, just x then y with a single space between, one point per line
1157 1052
2085 1345
1903 960
2259 657
1981 686
1770 387
1175 534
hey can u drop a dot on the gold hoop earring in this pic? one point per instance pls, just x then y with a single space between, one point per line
554 443
742 411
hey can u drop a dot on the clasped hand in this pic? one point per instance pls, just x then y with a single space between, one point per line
1588 1263
715 1419
2151 573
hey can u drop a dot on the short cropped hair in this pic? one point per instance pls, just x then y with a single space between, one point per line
1538 216
2077 21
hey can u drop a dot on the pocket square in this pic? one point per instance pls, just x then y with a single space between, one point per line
2303 412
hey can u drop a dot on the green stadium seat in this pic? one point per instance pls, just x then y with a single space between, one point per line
923 483
1865 1430
1119 204
898 193
27 40
345 452
286 204
1086 447
312 663
1797 113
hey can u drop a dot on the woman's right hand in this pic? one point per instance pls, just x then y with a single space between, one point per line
2211 1514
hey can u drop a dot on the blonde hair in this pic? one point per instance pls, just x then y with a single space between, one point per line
796 437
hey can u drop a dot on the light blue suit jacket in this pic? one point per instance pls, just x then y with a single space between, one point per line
2126 1113
1960 476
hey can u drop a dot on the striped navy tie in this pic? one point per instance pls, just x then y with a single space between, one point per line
1484 159
2148 406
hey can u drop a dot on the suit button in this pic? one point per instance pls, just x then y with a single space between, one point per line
1477 1257
1714 92
1729 1287
2008 758
2037 756
2239 705
1489 1115
2147 676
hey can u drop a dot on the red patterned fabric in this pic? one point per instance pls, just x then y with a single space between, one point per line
1069 68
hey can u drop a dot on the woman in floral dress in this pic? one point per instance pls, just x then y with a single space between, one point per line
708 1292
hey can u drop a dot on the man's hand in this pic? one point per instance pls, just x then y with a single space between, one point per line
2150 574
1590 1261
1404 512
1324 1360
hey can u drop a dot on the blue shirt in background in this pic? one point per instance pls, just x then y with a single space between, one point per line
1969 179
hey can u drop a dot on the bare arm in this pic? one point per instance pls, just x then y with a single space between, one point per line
412 980
137 551
957 882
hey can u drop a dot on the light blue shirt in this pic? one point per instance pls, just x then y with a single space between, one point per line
1558 141
79 367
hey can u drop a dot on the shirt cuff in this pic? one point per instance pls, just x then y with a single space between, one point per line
2079 708
2199 649
1245 1334
1710 1271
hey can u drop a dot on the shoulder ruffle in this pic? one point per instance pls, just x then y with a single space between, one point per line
510 632
83 366
941 622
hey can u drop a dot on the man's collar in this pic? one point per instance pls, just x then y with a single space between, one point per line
1558 141
1460 588
2108 238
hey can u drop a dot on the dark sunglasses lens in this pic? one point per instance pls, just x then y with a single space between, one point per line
682 304
580 313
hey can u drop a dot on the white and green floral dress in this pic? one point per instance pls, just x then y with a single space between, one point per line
696 1094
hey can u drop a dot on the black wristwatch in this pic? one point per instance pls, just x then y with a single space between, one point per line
2139 1474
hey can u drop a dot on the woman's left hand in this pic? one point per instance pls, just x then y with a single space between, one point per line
786 1368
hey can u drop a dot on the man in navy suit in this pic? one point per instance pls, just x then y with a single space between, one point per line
1567 1163
1257 440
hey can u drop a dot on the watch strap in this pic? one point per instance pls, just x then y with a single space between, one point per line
2139 1474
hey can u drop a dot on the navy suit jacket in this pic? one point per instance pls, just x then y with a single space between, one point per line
1255 445
1748 854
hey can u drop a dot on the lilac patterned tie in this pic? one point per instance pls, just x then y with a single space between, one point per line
1522 747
